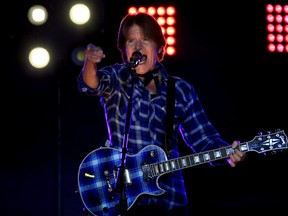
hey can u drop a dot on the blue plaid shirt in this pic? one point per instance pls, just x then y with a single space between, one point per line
147 122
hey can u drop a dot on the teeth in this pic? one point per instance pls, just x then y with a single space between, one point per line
144 57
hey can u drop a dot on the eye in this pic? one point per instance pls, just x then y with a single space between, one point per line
130 43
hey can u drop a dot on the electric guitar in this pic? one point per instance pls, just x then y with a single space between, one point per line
97 173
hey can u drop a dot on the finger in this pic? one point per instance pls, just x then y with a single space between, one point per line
236 158
91 46
235 144
230 161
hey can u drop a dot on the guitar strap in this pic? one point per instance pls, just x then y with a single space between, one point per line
170 106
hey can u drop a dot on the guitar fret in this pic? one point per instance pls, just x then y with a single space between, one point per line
212 155
173 165
188 161
223 152
152 168
244 147
178 165
201 157
191 159
196 159
206 157
217 154
156 169
183 162
229 151
167 168
161 167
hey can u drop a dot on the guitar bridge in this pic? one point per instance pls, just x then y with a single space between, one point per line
107 178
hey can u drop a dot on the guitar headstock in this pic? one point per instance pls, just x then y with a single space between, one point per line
268 142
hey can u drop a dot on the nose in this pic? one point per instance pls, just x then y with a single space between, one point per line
138 45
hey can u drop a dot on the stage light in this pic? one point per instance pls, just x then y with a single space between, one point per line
171 50
171 11
39 57
277 19
37 15
280 48
79 14
171 40
161 11
151 11
78 56
286 18
170 30
142 10
270 38
271 47
132 10
167 21
170 21
161 21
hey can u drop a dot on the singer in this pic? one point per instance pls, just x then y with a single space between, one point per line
153 131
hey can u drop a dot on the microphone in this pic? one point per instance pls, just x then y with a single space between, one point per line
135 59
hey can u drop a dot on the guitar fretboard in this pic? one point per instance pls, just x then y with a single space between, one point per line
193 160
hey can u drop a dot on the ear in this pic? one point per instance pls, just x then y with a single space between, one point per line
160 49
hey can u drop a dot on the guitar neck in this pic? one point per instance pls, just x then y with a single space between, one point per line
193 160
260 144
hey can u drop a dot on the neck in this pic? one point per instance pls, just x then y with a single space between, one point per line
150 75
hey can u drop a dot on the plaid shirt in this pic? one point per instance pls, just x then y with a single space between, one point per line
147 122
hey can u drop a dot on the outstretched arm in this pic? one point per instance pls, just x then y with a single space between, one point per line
93 55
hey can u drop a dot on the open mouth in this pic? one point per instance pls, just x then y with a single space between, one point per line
143 60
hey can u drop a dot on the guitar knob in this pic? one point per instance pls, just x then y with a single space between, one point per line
105 209
111 198
93 200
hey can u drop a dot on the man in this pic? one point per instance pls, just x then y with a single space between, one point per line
141 81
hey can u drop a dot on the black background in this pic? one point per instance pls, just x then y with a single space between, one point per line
49 127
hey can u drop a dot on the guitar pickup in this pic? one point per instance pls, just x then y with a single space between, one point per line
147 175
107 178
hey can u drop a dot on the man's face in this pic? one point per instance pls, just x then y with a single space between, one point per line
136 41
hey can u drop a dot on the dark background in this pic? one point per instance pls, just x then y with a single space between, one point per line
49 127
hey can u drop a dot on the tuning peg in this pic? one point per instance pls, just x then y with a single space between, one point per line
260 133
277 130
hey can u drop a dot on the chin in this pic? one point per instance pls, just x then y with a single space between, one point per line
140 70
